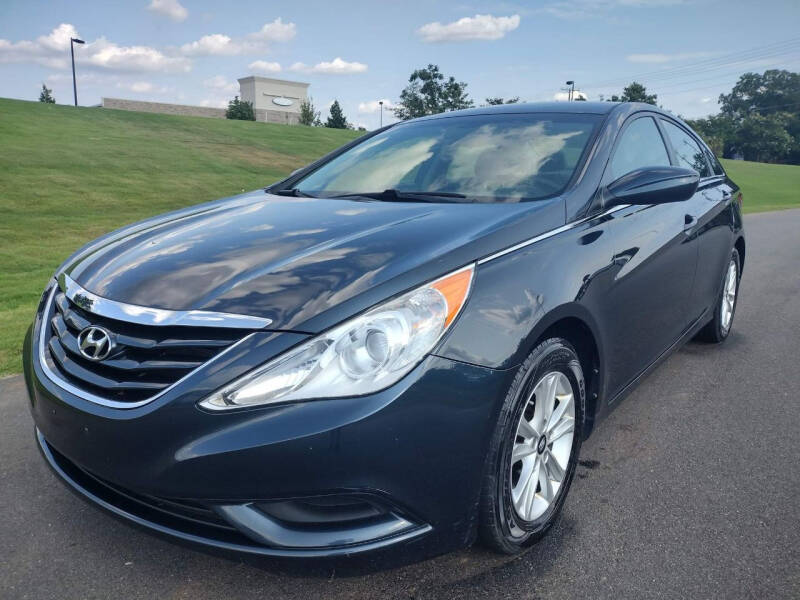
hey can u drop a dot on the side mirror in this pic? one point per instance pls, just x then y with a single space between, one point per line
653 185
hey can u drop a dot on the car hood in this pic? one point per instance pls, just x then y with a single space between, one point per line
288 259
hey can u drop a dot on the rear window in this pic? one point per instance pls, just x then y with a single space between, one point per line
488 158
687 150
714 162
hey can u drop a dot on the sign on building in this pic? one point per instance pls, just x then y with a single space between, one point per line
274 100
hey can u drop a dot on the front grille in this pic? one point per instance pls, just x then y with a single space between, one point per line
145 360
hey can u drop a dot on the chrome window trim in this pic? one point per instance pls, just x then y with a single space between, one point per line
549 234
144 315
88 396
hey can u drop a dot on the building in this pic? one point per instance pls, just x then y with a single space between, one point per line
274 100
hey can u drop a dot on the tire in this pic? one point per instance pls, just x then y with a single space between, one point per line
716 330
511 515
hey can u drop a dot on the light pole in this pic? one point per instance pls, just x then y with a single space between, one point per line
72 42
571 91
381 103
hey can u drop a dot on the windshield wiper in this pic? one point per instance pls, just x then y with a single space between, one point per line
392 195
291 192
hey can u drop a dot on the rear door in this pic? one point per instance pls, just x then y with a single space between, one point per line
709 218
654 262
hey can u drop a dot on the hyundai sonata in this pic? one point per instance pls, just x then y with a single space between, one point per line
400 346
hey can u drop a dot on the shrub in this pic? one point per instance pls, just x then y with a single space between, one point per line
241 110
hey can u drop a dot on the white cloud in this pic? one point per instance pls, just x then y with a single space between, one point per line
81 77
142 87
214 103
479 27
263 66
338 66
107 55
373 106
138 86
215 44
48 50
564 96
277 31
219 44
335 67
218 82
169 8
53 51
657 58
58 38
706 100
578 9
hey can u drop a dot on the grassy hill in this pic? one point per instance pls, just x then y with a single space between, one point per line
765 187
70 174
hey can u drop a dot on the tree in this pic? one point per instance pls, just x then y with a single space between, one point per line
793 129
764 138
429 93
759 120
46 95
497 100
241 110
336 120
636 92
772 92
308 115
717 131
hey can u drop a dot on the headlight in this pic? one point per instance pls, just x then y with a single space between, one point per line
360 356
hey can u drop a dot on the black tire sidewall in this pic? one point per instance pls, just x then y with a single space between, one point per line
554 354
720 333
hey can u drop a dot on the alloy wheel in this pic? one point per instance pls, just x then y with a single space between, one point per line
729 296
542 447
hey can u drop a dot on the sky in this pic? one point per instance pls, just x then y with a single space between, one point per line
193 51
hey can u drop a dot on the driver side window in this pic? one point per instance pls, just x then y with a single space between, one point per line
640 146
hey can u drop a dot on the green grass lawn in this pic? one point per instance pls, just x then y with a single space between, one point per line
765 187
70 174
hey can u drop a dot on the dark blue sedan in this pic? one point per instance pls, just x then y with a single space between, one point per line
399 347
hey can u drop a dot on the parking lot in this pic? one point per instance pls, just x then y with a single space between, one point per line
689 489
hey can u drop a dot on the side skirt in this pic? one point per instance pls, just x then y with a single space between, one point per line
699 323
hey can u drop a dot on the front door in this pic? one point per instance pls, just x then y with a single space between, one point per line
647 308
711 215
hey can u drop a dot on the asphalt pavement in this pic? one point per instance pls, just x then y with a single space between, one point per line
690 489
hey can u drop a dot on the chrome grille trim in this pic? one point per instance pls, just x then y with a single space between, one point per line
144 315
86 395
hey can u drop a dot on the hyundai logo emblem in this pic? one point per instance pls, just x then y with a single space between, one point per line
95 343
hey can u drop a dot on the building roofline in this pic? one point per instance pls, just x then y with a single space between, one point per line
272 80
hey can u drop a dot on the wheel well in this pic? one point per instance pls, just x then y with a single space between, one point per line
577 333
739 245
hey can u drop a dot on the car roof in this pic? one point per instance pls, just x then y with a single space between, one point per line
597 108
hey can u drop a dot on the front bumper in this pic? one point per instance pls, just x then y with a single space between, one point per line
413 455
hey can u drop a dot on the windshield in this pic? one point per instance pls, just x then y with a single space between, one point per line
487 158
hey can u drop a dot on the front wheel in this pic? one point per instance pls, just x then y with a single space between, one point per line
534 449
719 327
